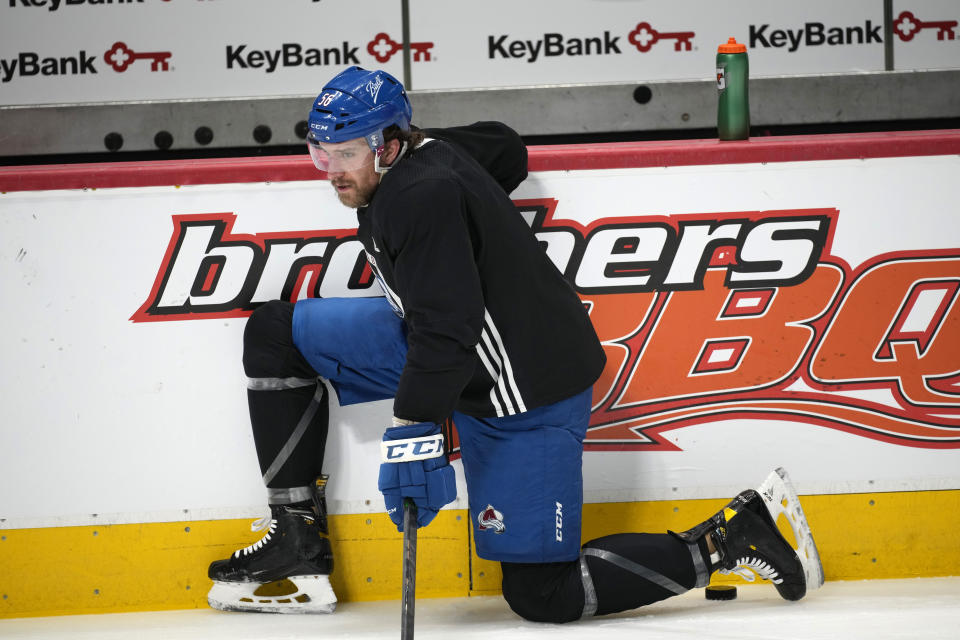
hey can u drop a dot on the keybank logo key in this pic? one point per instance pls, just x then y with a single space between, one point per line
120 56
53 5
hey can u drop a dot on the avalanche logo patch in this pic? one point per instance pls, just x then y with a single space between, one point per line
490 518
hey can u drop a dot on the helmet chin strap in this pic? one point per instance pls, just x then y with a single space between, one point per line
376 160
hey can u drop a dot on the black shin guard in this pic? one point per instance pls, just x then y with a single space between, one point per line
290 433
629 570
288 405
614 573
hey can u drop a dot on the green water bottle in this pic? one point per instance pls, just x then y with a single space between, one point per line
733 108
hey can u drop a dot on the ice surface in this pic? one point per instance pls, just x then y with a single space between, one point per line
875 610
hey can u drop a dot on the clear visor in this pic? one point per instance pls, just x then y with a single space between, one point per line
341 157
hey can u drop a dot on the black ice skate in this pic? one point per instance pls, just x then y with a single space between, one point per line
287 571
748 541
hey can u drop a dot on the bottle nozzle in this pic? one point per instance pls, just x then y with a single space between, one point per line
732 46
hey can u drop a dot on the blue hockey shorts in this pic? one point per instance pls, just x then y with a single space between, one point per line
524 472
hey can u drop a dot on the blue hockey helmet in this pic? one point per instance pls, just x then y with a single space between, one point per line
357 103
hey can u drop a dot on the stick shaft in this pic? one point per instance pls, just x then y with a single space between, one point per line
408 603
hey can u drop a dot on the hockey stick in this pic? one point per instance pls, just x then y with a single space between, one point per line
408 594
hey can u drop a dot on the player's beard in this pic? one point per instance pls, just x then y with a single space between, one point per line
353 194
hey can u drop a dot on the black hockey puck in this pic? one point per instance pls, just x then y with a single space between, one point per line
721 592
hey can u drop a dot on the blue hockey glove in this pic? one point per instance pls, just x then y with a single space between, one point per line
415 466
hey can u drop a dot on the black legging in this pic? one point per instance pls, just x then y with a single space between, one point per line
623 571
288 403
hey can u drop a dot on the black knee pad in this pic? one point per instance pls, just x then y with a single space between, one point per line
544 592
268 349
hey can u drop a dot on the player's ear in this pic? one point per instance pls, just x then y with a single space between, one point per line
390 150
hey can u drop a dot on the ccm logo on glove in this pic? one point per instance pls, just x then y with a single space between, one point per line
414 467
412 449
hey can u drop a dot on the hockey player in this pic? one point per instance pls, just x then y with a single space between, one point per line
476 324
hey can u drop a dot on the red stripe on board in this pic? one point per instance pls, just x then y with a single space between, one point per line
158 173
766 149
614 155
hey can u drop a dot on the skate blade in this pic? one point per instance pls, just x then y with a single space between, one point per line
296 594
780 497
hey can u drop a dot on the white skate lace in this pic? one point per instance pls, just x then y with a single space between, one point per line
259 525
746 567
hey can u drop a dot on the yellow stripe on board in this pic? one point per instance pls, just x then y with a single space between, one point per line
155 566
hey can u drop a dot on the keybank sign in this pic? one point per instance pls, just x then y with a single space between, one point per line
29 63
814 34
53 5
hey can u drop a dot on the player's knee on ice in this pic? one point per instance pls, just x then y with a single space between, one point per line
544 592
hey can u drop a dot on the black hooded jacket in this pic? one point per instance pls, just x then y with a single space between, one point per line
493 327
